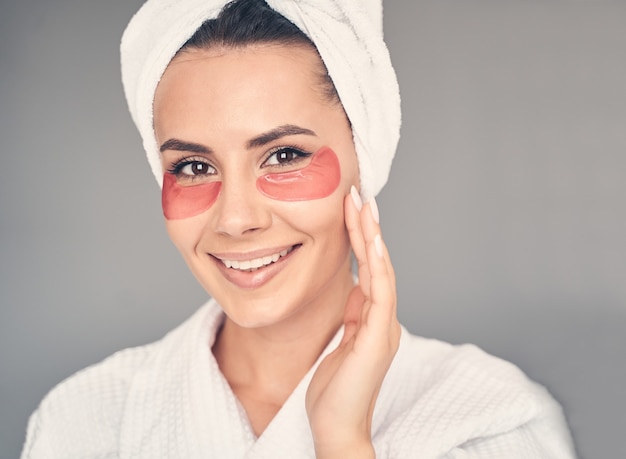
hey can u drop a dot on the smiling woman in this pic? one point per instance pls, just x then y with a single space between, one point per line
258 128
266 141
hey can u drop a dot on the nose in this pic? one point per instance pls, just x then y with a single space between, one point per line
240 209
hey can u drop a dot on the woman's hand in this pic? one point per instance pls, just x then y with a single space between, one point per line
342 394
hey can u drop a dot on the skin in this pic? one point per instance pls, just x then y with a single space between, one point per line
276 328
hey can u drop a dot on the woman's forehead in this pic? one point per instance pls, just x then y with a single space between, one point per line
244 85
237 62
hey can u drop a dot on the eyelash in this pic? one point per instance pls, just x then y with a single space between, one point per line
299 153
177 168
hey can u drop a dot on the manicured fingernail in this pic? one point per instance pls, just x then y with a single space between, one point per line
378 245
356 199
374 210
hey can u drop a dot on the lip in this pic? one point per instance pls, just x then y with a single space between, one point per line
243 256
259 277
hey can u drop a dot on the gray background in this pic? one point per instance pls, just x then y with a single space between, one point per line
504 215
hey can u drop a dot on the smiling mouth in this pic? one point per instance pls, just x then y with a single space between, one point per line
257 263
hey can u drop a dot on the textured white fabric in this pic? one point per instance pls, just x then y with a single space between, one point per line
348 36
169 399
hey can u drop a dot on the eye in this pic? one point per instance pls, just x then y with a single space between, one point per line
196 168
190 168
284 156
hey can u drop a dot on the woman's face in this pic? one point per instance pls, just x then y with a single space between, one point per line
236 127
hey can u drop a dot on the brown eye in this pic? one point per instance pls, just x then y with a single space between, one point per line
197 168
285 156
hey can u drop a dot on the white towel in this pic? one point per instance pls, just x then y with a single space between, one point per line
348 36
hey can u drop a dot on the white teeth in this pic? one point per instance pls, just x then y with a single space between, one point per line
253 265
244 265
256 263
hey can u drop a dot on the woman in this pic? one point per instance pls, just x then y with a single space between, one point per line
263 137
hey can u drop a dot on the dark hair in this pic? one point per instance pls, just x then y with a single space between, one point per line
248 22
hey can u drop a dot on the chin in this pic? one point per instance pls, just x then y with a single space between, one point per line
256 313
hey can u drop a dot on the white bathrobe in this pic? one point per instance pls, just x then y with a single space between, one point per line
169 400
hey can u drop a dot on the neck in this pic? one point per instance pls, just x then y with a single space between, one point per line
273 359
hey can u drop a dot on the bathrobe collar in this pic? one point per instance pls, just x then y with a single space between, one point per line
180 404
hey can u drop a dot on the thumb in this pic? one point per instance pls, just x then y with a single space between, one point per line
352 313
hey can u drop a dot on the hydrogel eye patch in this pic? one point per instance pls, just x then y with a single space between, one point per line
315 181
187 201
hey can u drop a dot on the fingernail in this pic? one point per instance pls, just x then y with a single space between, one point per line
374 210
378 245
356 199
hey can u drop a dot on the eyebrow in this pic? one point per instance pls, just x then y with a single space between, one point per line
258 141
180 145
277 133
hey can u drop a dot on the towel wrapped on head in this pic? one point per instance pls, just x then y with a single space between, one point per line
348 36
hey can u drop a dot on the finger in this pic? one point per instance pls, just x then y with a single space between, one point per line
382 278
371 227
384 316
352 314
382 291
353 209
390 270
392 275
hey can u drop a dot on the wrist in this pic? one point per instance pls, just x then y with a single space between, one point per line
349 450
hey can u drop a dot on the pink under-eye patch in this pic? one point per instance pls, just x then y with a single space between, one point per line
315 181
187 201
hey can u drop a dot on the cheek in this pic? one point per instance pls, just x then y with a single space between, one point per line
183 202
327 229
318 180
186 234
